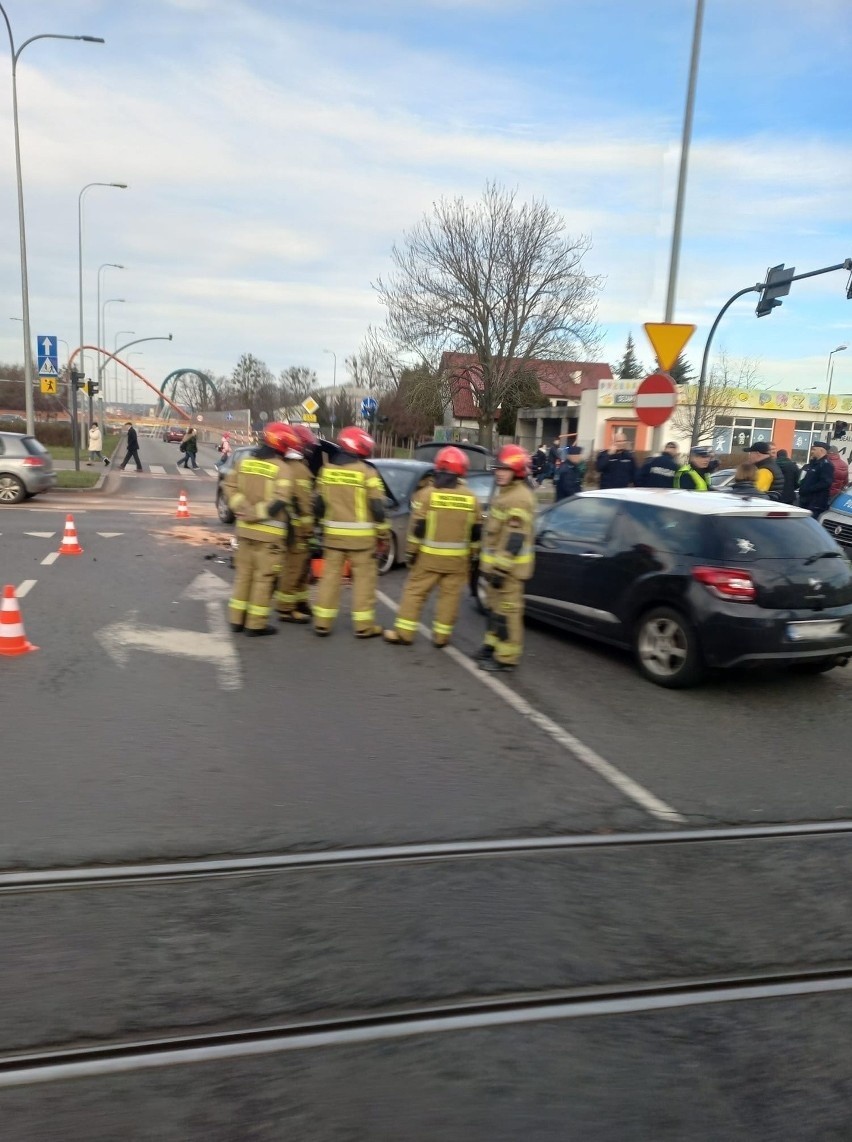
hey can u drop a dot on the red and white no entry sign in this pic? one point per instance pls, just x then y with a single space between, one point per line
655 399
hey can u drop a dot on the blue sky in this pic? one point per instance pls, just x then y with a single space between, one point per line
275 150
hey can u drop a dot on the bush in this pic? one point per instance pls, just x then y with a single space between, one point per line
55 433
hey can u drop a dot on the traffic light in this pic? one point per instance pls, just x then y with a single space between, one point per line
777 284
94 388
78 380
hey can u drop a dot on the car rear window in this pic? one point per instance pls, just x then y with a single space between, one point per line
33 446
744 539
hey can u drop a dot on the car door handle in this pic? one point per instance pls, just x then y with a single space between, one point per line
591 555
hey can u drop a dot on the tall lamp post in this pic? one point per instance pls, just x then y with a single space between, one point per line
829 376
100 368
120 333
333 387
29 377
99 343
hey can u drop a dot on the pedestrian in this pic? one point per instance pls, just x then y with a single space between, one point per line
539 464
616 464
770 478
694 475
189 448
507 560
570 477
132 447
225 447
841 471
816 479
350 503
790 472
744 482
444 532
659 471
553 460
95 444
259 491
291 592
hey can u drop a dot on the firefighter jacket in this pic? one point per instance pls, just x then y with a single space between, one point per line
350 503
445 524
301 498
508 541
255 483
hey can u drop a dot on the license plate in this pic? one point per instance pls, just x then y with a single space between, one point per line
821 628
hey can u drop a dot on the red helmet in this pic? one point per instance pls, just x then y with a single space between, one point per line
452 460
514 457
356 441
282 437
305 435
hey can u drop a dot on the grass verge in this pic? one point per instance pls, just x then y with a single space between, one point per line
77 479
66 452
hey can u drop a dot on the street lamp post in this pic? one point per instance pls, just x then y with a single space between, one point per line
120 333
101 334
22 233
102 324
829 376
333 387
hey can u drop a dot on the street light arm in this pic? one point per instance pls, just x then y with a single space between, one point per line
49 36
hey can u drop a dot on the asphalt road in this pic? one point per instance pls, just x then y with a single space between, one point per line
142 729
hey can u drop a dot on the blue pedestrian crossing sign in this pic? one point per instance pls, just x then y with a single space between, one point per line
48 356
369 405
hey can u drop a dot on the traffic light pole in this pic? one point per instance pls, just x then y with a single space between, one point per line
702 380
75 432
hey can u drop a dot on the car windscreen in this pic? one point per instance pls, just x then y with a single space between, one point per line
481 484
743 539
33 446
399 481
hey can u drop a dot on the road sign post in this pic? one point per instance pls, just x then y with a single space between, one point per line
656 399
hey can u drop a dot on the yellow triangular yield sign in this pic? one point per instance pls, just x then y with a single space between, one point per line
667 341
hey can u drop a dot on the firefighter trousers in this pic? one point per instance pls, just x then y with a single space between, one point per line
292 586
505 631
257 564
364 577
418 587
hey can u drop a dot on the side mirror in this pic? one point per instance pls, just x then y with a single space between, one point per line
546 538
389 502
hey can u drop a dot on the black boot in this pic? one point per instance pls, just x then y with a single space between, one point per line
251 633
492 666
484 654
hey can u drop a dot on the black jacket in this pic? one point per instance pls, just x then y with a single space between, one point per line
617 471
790 472
132 440
657 472
569 480
746 488
815 484
776 488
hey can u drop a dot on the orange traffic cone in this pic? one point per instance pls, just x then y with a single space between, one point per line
70 545
183 507
13 641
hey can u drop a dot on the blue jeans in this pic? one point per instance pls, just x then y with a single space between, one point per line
187 456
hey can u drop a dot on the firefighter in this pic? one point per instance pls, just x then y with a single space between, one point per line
444 533
291 595
507 560
259 490
349 501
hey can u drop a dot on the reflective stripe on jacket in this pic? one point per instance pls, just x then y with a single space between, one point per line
442 520
512 512
250 487
348 490
695 481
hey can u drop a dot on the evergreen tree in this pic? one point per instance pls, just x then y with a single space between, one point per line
630 367
682 371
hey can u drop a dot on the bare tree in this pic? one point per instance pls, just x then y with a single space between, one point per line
193 393
719 399
499 279
374 366
297 383
249 379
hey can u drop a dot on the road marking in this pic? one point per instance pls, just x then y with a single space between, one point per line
157 469
212 472
216 646
50 559
25 588
41 534
110 534
586 756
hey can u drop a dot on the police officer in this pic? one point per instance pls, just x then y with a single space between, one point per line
815 484
659 471
259 491
291 595
694 476
444 532
349 501
507 560
569 478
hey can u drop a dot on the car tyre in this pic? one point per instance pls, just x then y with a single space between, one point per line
667 650
12 491
479 590
388 561
222 510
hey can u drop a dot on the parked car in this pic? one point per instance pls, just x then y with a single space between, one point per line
693 582
26 467
722 478
173 433
478 455
837 520
401 479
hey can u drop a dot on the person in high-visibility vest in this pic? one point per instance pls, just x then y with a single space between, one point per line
350 503
259 491
291 594
694 475
443 535
507 560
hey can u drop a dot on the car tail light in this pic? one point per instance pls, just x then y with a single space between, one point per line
727 583
33 462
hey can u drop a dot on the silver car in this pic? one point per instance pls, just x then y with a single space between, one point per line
26 467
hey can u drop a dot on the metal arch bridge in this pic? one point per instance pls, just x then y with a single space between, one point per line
173 379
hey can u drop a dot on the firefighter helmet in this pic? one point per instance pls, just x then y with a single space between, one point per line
356 441
515 458
305 435
282 437
452 460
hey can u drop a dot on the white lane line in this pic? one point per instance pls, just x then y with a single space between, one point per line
49 559
586 756
110 534
157 469
212 472
24 588
41 534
